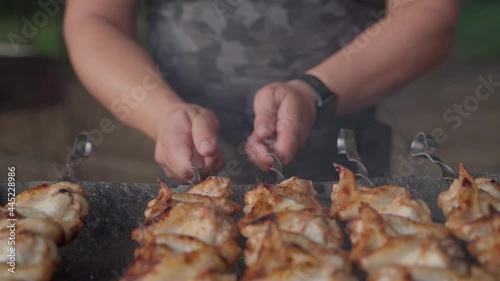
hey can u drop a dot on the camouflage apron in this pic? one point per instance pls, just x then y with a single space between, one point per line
218 53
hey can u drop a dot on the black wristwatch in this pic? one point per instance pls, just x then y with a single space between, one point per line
324 95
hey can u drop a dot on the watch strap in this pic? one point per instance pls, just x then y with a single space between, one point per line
324 95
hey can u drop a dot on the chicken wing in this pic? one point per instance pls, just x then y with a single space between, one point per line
380 241
47 216
347 198
472 211
418 273
290 236
63 202
36 258
392 234
187 236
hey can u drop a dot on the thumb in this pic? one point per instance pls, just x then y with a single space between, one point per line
265 108
181 152
175 148
205 128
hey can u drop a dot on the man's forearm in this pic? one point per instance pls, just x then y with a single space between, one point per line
118 72
411 39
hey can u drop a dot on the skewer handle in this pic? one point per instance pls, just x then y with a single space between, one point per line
346 144
424 146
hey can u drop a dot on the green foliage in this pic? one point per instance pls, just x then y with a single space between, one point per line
48 40
478 34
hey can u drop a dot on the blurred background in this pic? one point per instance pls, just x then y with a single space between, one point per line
43 106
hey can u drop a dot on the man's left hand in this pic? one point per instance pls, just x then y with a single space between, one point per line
286 110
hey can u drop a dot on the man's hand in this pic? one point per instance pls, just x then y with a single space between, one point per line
286 110
187 136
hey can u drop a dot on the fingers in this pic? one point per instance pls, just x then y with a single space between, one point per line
276 111
209 166
176 155
291 131
213 164
288 142
286 146
265 108
205 128
258 153
189 140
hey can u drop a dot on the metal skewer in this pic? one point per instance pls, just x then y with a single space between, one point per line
346 144
424 146
196 177
277 167
82 148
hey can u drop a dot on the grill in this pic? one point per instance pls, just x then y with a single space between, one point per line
103 250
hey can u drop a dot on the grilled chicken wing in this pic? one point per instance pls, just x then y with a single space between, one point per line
36 258
289 235
212 191
472 211
64 202
347 198
35 222
47 216
392 234
187 236
381 241
291 256
418 273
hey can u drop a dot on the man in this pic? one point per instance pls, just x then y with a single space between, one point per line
260 69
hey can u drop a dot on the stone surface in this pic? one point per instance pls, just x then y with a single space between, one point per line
103 249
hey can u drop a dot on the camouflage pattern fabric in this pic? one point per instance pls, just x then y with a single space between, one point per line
218 53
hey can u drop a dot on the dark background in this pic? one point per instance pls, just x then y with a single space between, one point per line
43 106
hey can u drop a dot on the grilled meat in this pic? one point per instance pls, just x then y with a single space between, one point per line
290 236
64 202
36 258
472 211
47 216
392 234
347 198
381 241
418 273
187 236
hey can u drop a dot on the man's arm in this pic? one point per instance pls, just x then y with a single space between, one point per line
100 40
122 76
415 36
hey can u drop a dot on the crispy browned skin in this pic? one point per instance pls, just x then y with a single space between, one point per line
290 236
347 198
47 216
392 234
63 202
471 208
187 236
417 273
381 241
36 258
215 191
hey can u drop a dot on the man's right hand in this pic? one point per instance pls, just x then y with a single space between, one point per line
186 137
